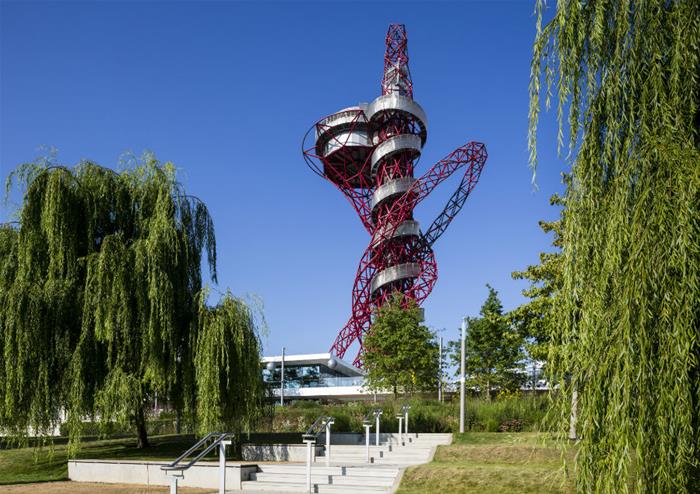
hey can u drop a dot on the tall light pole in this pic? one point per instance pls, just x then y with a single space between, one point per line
282 380
440 370
461 376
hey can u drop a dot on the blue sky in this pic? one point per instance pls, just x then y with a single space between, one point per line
226 90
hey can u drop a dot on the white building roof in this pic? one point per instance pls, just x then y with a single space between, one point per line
343 367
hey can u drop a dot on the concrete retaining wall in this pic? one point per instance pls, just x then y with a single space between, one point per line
278 452
205 474
357 438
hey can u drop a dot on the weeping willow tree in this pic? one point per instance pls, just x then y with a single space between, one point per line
101 304
220 405
626 79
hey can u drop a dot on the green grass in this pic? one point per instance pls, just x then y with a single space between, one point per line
492 463
22 465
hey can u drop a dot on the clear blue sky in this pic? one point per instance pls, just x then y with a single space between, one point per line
226 91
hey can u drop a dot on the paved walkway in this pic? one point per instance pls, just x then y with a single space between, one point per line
68 487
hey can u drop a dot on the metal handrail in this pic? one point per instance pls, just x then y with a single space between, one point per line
222 436
316 428
371 415
193 448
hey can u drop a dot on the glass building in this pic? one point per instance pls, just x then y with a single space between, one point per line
318 375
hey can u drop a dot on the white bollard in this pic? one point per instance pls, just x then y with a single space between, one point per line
173 485
328 443
309 444
377 432
222 466
367 428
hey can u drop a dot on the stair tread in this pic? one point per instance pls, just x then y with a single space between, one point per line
287 487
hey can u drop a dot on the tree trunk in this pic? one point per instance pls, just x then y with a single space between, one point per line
141 433
572 419
488 390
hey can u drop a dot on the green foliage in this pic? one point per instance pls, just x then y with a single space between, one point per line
400 352
505 413
629 311
493 349
227 367
534 319
100 302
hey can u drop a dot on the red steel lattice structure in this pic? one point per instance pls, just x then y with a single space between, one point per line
368 152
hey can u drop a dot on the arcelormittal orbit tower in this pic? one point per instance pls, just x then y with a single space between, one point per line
369 152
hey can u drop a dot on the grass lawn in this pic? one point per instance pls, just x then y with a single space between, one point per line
25 465
492 463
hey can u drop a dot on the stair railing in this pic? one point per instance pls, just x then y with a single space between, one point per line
310 436
372 416
176 469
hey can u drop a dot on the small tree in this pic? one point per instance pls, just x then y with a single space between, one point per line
400 352
493 349
534 319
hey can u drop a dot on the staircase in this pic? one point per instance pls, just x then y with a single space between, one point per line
349 471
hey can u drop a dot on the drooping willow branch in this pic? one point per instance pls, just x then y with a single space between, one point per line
626 75
101 302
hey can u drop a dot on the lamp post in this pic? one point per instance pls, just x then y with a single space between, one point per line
440 370
461 376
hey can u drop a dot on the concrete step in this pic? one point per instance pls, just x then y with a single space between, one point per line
398 454
355 471
285 487
348 471
300 478
354 456
394 450
360 460
378 454
387 449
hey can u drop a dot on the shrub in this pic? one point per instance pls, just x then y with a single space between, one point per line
507 412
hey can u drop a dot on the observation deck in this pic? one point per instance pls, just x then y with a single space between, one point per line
370 152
